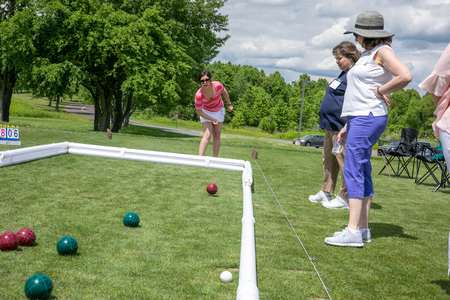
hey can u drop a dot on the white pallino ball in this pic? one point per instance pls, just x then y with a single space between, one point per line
226 276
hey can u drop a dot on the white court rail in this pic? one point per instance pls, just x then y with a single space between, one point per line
247 289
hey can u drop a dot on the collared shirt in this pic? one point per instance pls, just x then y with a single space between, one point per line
331 107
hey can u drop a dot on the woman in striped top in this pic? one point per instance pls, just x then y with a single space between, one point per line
209 106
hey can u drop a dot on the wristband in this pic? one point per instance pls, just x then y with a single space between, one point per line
378 91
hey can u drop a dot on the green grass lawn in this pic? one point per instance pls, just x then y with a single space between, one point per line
187 237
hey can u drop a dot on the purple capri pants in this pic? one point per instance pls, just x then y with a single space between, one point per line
362 134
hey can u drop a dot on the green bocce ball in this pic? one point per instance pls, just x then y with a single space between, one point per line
67 246
131 220
38 286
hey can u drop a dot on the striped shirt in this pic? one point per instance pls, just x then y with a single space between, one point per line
210 105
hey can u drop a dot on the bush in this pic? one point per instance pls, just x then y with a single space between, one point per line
268 124
238 120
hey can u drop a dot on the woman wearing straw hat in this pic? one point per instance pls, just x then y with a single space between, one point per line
376 74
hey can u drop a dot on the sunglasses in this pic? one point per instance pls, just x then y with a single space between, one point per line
205 80
355 35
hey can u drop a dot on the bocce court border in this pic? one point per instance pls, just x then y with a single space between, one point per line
247 288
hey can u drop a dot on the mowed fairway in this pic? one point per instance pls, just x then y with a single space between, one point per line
187 237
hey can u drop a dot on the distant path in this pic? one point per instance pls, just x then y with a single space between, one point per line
89 111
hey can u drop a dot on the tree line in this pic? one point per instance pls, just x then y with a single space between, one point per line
271 104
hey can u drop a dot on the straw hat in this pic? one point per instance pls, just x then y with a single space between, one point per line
370 24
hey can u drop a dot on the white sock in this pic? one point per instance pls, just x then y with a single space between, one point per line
353 231
362 230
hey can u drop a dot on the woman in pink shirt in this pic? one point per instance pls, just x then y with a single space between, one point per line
209 106
438 85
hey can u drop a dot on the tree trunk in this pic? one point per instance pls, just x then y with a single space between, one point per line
118 112
105 106
126 120
57 103
96 114
96 104
7 82
129 110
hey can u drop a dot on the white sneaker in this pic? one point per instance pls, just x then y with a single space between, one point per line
336 203
366 235
345 239
320 197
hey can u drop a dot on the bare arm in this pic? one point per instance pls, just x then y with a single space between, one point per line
227 99
402 76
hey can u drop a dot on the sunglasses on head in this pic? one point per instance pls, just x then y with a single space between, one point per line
205 80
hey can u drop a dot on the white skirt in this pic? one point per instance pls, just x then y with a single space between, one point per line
220 115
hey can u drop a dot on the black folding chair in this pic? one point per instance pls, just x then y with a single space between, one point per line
434 162
404 153
428 158
445 178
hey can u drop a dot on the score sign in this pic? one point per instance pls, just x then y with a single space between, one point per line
9 135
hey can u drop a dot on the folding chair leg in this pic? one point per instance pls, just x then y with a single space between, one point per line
387 164
430 172
385 167
404 166
444 178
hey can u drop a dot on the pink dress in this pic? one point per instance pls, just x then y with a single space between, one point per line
438 83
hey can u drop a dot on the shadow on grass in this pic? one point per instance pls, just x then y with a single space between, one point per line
433 185
444 284
378 230
375 206
141 130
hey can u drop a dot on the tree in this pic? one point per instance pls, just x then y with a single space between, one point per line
16 47
53 80
280 115
195 26
116 52
420 115
257 102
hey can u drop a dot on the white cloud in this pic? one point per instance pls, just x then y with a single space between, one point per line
296 37
288 63
331 36
265 46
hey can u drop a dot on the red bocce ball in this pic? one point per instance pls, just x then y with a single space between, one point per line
212 188
27 237
9 241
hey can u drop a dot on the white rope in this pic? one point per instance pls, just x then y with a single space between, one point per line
310 259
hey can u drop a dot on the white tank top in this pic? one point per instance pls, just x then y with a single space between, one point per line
362 79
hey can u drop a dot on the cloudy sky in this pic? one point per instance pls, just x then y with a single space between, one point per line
297 36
